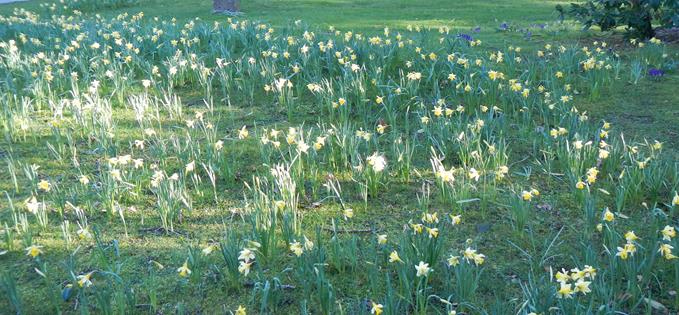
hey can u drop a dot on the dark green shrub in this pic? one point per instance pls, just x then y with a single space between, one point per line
638 16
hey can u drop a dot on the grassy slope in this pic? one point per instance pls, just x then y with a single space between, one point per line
649 109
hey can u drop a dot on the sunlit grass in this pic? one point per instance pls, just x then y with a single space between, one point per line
486 165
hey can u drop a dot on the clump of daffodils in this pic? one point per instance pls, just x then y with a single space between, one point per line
470 255
246 258
528 195
575 281
629 248
668 233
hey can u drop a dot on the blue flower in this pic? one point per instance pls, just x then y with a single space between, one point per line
466 37
655 72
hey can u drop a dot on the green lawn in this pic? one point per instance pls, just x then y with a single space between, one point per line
356 15
127 266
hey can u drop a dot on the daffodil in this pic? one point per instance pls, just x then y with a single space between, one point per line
381 128
603 154
302 147
623 253
430 217
438 111
84 233
244 268
33 205
666 251
582 286
470 255
246 255
453 260
84 280
44 185
296 248
668 233
190 167
456 219
474 174
562 276
479 259
116 174
502 171
446 176
240 310
609 216
580 185
565 290
184 270
207 250
592 175
590 272
393 257
657 145
348 213
308 244
577 274
382 239
377 308
243 133
422 269
433 232
377 162
34 251
417 228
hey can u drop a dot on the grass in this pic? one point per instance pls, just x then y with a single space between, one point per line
645 110
358 16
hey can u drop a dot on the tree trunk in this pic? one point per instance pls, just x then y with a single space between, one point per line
647 30
226 5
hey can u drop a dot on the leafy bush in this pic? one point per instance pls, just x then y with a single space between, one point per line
638 16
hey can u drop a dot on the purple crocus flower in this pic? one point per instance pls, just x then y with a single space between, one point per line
653 72
466 37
